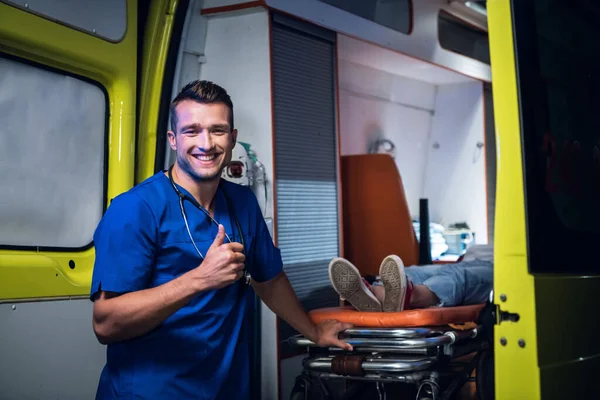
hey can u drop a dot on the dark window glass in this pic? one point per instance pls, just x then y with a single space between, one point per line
558 62
395 14
460 37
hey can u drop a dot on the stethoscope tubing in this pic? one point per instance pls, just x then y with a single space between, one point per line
230 209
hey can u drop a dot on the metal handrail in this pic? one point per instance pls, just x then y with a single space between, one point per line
391 332
445 339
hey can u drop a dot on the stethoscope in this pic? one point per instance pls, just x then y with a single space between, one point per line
230 209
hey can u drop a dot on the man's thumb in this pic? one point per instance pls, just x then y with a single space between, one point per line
220 237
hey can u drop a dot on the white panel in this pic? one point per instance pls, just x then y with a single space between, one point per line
237 58
455 174
378 57
364 118
422 43
52 154
48 351
386 86
104 18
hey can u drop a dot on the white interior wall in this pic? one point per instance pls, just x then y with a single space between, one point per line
376 104
454 180
416 105
237 57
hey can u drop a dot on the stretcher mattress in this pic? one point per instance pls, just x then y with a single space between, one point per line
435 316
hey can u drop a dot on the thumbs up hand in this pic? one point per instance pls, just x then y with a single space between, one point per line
222 266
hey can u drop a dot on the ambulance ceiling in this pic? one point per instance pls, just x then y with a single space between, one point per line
377 57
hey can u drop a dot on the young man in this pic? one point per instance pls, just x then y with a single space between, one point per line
170 253
467 282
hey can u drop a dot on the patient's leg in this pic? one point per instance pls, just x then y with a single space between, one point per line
379 292
413 287
458 284
423 297
433 285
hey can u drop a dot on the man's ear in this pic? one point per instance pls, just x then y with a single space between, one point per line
234 134
172 141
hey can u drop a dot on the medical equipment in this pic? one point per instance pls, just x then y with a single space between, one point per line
383 146
245 169
459 240
230 209
239 169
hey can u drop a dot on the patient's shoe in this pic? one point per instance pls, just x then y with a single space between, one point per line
397 287
350 285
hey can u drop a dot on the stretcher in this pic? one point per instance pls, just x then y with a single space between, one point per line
415 354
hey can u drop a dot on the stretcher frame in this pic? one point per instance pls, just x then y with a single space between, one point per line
437 360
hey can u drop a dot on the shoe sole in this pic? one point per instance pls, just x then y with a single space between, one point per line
392 276
347 281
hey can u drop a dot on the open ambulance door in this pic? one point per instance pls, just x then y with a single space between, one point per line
72 90
546 73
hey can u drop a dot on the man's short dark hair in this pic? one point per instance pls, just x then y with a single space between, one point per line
204 92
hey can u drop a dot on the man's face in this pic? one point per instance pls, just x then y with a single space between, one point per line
204 139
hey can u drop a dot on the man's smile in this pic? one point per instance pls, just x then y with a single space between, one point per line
206 159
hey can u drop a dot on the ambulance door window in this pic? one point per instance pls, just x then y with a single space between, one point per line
558 64
53 157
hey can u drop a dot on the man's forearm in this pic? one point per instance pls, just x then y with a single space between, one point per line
123 317
279 296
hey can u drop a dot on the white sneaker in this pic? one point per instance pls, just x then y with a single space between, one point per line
349 284
397 287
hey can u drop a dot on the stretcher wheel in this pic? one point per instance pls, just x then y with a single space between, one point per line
485 375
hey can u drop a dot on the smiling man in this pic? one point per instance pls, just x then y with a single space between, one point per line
168 296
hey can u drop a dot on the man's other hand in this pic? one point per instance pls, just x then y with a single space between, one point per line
327 334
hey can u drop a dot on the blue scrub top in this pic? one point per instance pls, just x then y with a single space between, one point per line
202 351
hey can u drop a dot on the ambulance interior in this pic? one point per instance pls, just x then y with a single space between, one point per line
437 125
433 119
